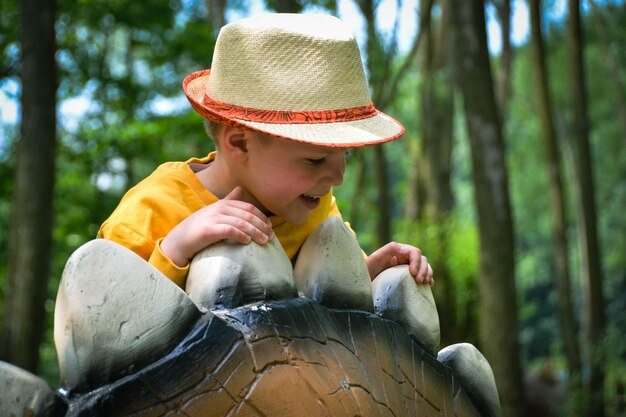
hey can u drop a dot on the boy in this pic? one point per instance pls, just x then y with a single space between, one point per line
284 101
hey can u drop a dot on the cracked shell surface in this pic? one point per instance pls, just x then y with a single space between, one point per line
287 358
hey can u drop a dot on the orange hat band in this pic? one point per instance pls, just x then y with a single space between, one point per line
229 111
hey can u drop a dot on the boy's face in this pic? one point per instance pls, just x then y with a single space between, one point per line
287 178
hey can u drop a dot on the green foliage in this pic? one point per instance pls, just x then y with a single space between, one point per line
535 271
297 6
531 208
614 354
9 32
451 245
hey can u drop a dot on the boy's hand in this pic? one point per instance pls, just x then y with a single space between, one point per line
229 218
393 254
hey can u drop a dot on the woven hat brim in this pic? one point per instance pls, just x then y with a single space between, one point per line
378 128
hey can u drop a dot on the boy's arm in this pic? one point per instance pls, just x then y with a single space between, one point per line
229 218
164 264
171 254
145 248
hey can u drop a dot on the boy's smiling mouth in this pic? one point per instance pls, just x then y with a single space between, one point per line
310 201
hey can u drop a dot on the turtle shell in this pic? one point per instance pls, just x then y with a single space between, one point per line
286 358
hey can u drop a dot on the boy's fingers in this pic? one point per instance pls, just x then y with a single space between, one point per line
239 236
230 230
244 210
431 280
256 218
415 262
261 237
258 231
423 269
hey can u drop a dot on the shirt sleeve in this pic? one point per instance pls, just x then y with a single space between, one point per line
167 267
127 237
151 209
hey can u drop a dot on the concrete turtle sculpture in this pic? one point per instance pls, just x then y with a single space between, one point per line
251 338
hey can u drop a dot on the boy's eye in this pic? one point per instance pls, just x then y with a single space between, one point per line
348 154
315 161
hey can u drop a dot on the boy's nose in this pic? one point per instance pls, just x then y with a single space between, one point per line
334 176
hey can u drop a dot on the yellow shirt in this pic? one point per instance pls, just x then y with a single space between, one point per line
152 208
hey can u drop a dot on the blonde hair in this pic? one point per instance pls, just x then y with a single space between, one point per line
213 130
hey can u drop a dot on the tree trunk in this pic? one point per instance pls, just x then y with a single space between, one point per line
216 14
435 160
559 234
383 224
503 85
285 6
375 61
612 66
498 329
591 271
31 225
415 198
358 168
414 193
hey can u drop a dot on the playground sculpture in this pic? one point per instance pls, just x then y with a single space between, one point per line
252 335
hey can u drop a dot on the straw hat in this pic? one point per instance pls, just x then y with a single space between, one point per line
298 77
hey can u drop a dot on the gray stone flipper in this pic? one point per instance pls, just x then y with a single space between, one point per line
476 376
230 275
331 270
397 297
25 394
114 314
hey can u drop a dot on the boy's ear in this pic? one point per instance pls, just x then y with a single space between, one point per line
234 141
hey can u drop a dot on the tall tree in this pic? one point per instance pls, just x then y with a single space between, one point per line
437 110
594 319
430 196
285 6
612 65
31 225
384 81
503 84
216 13
498 330
378 64
557 202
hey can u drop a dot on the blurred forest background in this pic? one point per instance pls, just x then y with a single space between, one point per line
511 176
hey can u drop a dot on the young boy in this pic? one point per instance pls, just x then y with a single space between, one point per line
284 101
